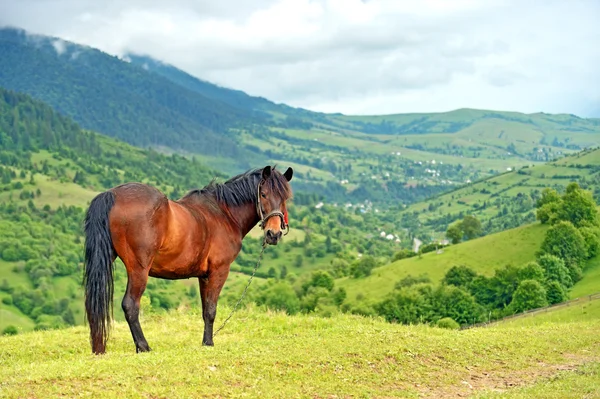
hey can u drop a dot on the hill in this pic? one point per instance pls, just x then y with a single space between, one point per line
506 200
483 255
50 169
273 355
385 160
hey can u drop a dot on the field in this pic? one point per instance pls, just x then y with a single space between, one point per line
272 355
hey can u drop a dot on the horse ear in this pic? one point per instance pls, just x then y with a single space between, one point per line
288 174
266 172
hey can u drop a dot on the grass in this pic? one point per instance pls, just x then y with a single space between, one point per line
273 355
590 283
569 382
11 316
484 255
574 312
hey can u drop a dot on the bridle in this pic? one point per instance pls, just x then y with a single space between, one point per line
263 219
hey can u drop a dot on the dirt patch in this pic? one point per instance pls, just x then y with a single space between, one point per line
476 381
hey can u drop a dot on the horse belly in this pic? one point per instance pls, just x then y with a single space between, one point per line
176 267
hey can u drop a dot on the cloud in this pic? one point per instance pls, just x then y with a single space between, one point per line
353 56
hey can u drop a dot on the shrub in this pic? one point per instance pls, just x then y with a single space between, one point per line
449 323
10 330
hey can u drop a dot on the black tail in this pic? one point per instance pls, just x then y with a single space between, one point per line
98 275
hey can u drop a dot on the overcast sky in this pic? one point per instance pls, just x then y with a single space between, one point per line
353 56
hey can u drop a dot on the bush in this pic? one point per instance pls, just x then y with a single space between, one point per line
449 323
403 254
410 280
10 330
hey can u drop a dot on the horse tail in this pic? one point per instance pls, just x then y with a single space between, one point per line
98 274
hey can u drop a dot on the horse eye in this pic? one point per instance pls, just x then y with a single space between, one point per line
263 195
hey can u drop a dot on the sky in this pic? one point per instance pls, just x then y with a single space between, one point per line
354 56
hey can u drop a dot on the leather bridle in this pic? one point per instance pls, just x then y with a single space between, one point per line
263 219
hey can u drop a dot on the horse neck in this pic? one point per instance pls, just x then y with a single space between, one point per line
245 216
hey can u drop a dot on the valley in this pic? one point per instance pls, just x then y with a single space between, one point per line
444 216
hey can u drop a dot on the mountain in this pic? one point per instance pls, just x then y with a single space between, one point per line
369 160
235 98
113 97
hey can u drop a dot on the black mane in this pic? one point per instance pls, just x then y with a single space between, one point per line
242 189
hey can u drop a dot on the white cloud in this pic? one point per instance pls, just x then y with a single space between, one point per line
353 56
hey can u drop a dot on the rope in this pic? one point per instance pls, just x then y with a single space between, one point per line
264 245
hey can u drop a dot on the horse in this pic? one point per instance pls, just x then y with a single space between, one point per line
196 236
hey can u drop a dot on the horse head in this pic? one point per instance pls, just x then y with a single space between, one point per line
273 192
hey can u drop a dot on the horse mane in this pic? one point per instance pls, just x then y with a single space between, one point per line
242 189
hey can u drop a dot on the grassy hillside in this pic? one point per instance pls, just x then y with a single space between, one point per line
382 159
506 200
483 255
273 355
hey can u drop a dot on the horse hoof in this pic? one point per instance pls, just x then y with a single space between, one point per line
145 348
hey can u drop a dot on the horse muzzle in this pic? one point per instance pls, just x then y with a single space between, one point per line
272 238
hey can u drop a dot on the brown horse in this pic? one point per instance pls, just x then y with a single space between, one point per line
199 235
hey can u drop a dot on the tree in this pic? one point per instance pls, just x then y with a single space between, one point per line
280 296
460 276
364 266
529 295
319 279
298 261
459 305
578 207
455 233
591 236
555 292
283 272
403 306
555 270
548 213
340 267
532 271
566 241
471 227
549 195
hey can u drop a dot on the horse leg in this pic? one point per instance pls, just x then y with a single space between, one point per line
210 288
137 278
